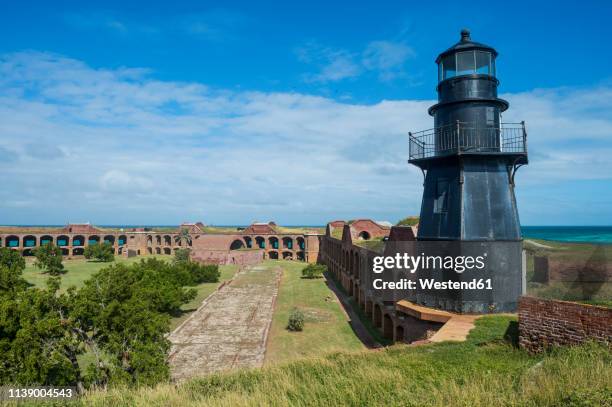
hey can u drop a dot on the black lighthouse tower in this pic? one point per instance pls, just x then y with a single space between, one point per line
469 160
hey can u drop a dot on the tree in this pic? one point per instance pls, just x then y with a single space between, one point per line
12 265
123 315
36 342
49 259
183 236
120 316
181 256
100 252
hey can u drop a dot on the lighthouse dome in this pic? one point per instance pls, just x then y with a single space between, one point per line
466 57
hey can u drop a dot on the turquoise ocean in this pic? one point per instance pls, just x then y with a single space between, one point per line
577 234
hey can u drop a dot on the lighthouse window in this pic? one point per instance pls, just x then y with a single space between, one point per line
465 63
449 67
441 199
483 63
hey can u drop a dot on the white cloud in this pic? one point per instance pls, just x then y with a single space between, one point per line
135 149
334 65
121 181
386 58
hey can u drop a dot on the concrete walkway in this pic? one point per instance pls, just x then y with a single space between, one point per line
230 328
456 328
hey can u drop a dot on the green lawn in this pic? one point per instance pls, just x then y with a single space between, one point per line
326 328
486 370
78 270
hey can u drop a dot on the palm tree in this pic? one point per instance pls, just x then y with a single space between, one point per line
183 236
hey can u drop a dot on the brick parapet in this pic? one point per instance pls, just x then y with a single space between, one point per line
544 323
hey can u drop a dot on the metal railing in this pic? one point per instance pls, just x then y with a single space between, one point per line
458 138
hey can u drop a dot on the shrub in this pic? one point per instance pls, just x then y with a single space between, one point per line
200 273
314 270
296 321
100 252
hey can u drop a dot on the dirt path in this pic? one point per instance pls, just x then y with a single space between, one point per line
230 328
540 245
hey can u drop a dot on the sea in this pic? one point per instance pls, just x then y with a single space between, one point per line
575 234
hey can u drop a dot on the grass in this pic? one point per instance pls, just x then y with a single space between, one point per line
365 320
77 270
326 327
337 232
376 244
486 370
585 252
594 293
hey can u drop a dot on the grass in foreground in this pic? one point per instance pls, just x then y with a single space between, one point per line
326 326
486 370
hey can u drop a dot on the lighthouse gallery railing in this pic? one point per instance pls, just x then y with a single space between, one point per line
461 138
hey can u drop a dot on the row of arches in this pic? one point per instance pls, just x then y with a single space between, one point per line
67 252
163 240
29 241
274 255
345 264
272 243
161 250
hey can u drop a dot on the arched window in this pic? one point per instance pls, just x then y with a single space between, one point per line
364 235
29 241
236 244
62 241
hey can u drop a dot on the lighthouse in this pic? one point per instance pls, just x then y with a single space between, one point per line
469 160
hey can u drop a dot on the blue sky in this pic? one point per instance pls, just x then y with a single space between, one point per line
151 113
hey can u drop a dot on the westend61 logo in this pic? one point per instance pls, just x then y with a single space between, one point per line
409 263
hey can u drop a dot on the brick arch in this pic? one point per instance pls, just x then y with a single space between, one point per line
399 334
288 243
273 242
11 241
29 241
62 241
377 316
387 326
236 244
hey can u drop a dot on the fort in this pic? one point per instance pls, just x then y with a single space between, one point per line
207 244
